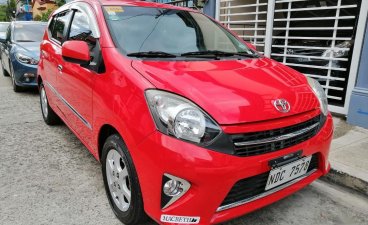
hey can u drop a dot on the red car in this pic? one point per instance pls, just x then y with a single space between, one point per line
190 123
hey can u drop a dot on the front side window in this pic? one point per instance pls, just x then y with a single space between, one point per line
29 32
177 32
60 26
80 29
8 34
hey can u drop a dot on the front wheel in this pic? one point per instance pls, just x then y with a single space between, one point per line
121 182
16 88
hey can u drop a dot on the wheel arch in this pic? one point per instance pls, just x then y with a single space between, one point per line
39 80
105 131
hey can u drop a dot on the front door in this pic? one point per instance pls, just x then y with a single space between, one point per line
76 81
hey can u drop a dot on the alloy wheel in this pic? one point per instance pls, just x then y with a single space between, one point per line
44 102
118 180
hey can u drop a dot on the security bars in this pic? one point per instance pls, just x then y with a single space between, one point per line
320 38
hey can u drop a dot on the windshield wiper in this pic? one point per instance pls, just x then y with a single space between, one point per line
216 54
152 54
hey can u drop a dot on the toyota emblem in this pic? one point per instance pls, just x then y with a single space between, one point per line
282 105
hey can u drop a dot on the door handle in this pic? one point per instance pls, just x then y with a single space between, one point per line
60 68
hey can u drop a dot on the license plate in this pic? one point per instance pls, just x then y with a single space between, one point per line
286 173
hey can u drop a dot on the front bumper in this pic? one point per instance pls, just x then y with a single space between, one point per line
19 71
213 174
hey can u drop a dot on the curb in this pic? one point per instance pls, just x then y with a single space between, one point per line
346 180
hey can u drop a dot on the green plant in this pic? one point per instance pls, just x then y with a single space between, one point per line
37 18
45 16
60 2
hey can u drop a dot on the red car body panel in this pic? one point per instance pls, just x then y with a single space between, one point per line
237 88
238 94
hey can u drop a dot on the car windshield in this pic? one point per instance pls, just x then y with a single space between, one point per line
3 27
28 32
142 31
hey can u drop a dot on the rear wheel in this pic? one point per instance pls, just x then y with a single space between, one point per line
48 114
121 182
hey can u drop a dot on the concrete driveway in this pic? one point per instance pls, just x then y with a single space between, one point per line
48 177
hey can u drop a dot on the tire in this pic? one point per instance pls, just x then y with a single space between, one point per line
5 74
16 88
48 114
120 179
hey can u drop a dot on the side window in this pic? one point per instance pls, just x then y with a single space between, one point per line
80 30
52 24
8 33
60 24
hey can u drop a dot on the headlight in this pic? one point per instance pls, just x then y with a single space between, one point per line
177 116
320 93
338 53
26 59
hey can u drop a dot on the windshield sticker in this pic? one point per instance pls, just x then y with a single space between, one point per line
112 10
113 17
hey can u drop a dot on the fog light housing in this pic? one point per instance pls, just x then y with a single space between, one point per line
173 188
29 75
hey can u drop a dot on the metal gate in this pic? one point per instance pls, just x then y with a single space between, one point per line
320 38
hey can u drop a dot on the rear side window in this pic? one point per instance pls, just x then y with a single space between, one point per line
59 26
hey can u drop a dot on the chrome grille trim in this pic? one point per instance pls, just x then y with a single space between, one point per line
278 138
265 194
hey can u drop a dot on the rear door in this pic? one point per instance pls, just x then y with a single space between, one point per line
51 56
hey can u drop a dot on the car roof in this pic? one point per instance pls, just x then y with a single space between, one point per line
139 3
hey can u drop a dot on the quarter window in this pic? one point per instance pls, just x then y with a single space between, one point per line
60 25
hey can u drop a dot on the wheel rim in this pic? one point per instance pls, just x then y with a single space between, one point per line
45 110
118 180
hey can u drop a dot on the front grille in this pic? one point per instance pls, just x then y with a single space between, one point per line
262 142
253 186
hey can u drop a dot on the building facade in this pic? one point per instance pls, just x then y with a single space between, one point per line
42 6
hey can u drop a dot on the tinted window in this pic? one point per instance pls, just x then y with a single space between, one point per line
80 29
29 32
8 34
142 29
60 25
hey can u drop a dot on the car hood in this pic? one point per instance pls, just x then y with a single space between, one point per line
29 48
235 91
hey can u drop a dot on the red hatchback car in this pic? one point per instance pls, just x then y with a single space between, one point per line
190 123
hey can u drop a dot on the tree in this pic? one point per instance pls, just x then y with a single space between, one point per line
3 10
11 8
60 2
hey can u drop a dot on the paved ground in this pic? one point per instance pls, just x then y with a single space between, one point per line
348 156
48 177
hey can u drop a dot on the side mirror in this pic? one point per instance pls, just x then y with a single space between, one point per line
76 52
251 46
